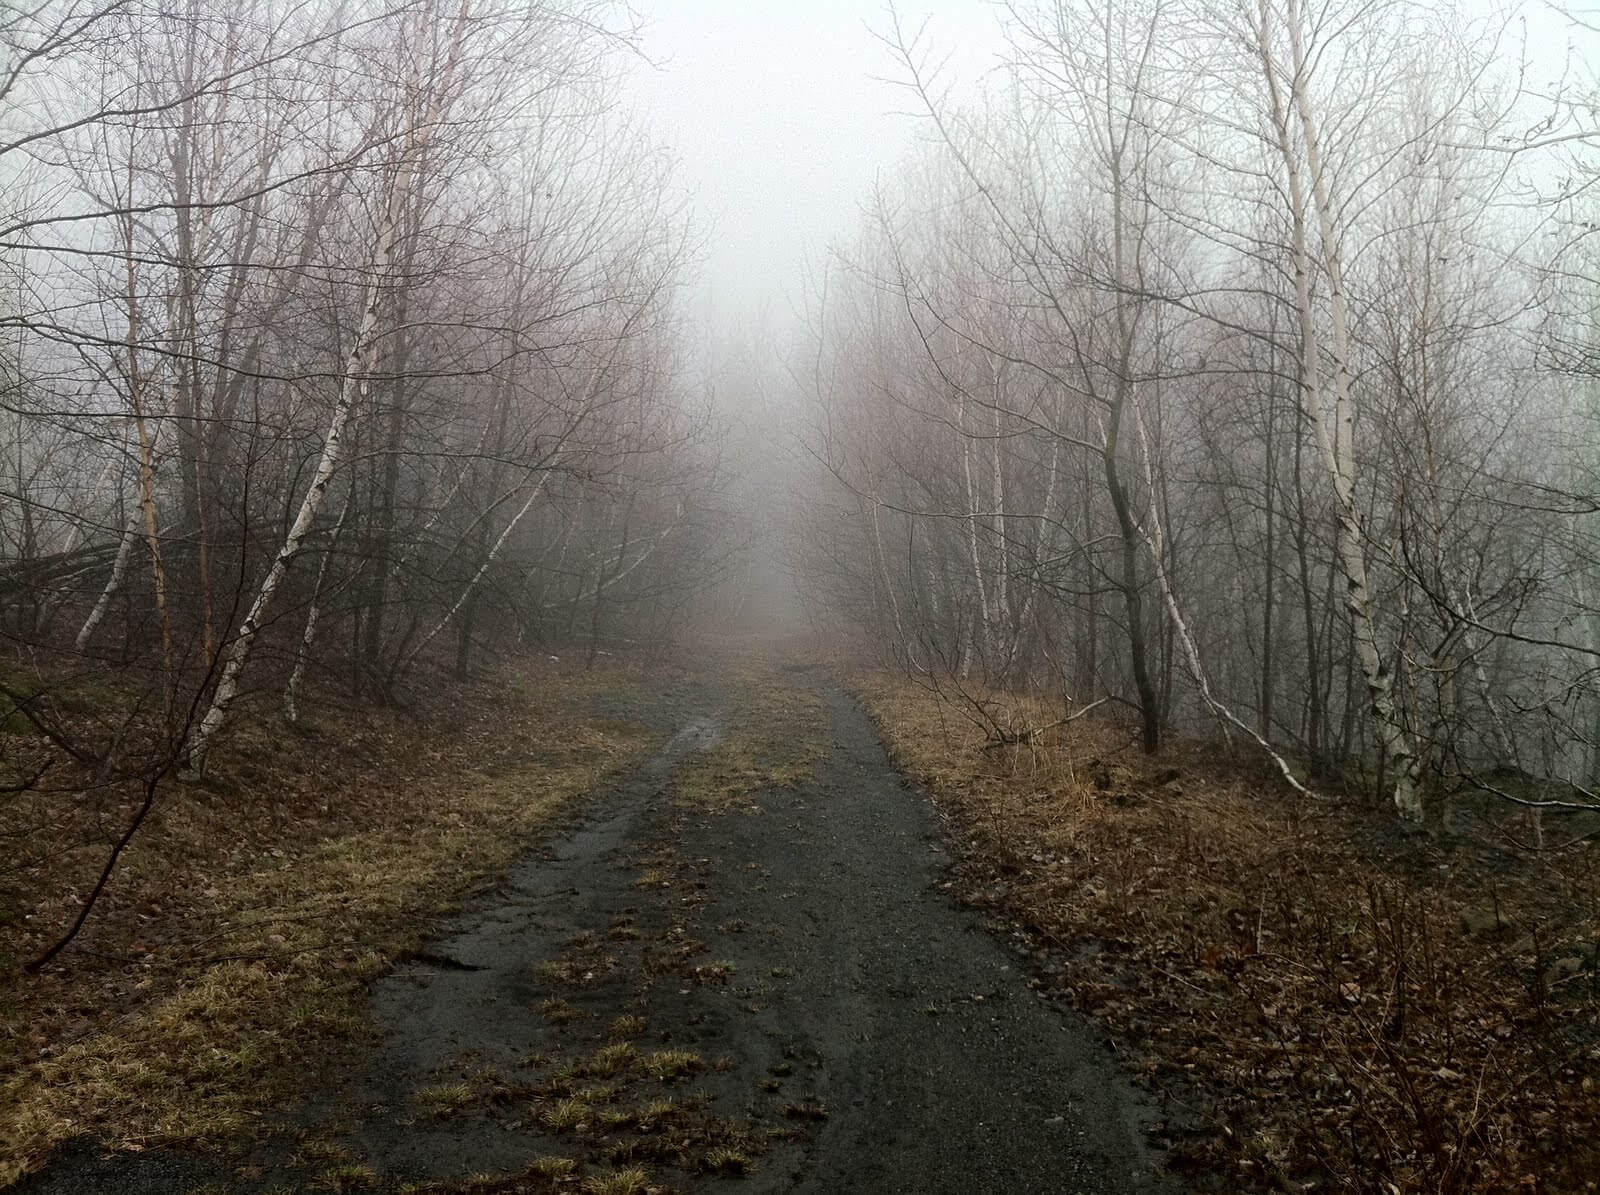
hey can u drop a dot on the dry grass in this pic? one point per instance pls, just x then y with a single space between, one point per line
445 1099
1320 987
632 1181
600 1105
557 1011
235 947
627 1025
613 1059
667 1065
774 736
567 1115
554 1167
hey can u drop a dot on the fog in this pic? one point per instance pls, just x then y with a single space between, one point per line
782 117
1175 422
1231 363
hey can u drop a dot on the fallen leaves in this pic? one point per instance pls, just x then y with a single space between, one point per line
231 955
1350 1009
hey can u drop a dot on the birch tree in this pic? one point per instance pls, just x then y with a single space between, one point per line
433 88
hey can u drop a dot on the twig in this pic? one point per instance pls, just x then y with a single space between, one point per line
150 789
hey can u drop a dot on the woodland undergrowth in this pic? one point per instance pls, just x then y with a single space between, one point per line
230 955
1329 1004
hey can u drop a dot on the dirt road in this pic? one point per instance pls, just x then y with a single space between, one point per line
774 994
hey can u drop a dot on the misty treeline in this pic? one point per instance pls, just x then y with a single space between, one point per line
335 333
1236 363
336 338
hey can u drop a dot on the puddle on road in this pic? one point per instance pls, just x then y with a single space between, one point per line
700 735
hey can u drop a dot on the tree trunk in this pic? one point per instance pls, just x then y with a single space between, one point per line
1338 444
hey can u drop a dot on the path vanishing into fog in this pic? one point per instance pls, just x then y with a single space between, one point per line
799 944
947 1071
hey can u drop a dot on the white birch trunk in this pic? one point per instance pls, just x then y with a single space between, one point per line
978 634
291 691
1337 446
1154 541
997 490
466 591
353 387
119 571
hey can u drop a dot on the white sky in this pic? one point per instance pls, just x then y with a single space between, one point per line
780 121
780 128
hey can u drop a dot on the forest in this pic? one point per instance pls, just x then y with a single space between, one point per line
1215 381
334 336
1236 365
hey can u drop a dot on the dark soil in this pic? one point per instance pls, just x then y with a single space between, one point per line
791 974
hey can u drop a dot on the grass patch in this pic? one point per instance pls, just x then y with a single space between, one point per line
445 1099
657 1112
667 1065
352 1177
236 947
633 1181
628 1025
566 1115
726 1161
613 1059
553 1167
557 1011
774 736
615 1119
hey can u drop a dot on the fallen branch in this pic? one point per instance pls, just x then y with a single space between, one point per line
1008 738
1154 542
150 788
